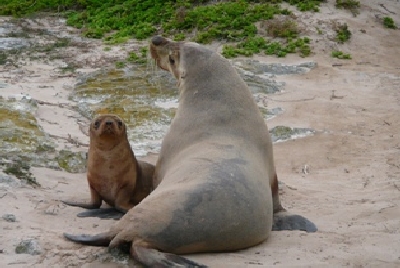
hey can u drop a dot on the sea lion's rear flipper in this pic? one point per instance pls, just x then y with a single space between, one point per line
153 258
99 240
102 213
292 222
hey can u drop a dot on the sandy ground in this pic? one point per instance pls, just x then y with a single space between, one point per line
345 178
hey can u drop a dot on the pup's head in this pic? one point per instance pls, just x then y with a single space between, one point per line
107 129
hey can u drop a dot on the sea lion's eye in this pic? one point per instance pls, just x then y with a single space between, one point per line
171 60
120 124
97 124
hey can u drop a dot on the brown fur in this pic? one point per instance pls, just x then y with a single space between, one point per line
113 173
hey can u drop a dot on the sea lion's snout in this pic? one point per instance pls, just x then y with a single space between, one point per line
158 40
109 126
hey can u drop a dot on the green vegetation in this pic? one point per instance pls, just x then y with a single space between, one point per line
230 21
340 55
389 23
119 64
118 20
343 34
352 5
258 44
281 28
308 5
21 170
3 58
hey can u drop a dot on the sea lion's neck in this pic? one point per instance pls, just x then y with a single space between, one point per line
105 143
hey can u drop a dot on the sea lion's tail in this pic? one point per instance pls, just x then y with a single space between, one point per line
284 222
153 258
99 240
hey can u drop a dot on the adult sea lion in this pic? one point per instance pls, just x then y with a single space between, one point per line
215 176
113 173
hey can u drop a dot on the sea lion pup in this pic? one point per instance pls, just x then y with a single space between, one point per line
215 175
113 173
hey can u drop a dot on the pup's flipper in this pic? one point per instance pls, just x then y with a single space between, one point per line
102 213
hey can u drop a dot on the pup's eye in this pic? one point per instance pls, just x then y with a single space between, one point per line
171 60
120 124
97 124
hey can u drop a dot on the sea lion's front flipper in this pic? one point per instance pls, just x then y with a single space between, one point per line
153 258
81 204
284 222
99 240
102 213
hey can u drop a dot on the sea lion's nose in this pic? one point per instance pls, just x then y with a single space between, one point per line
109 123
158 40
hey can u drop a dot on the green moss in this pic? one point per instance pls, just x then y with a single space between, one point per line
3 58
72 162
281 131
21 170
132 98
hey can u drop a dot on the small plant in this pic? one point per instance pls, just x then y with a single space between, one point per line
343 33
134 57
119 64
229 51
179 37
107 48
305 51
340 55
351 5
281 28
143 51
389 23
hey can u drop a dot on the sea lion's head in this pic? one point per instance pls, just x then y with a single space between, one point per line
107 129
166 54
181 59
